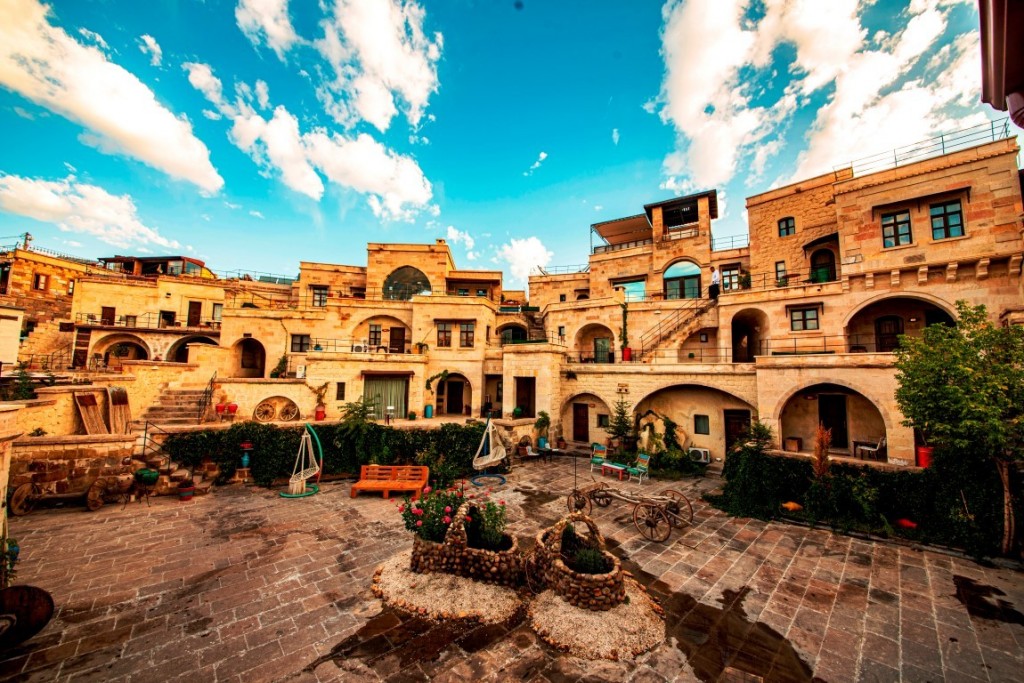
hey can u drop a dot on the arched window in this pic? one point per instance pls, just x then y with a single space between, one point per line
405 283
682 281
823 266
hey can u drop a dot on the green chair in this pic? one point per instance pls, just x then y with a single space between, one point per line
641 468
598 455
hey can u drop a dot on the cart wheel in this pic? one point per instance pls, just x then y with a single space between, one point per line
289 412
601 498
265 412
652 522
94 496
22 500
579 502
679 510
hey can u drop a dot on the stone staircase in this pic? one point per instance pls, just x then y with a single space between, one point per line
44 346
172 474
535 325
176 406
674 328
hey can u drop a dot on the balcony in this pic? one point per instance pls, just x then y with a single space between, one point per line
147 321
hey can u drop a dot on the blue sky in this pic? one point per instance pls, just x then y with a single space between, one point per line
258 133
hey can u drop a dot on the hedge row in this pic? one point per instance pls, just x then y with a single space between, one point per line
448 450
956 502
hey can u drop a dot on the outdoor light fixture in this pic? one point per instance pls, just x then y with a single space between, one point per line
913 320
810 397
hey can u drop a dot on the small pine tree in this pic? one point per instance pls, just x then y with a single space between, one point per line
621 424
24 389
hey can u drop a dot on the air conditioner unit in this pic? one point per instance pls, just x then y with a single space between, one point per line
300 372
360 348
700 455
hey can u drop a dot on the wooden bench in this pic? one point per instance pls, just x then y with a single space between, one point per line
388 478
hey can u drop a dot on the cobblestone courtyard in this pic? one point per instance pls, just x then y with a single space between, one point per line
242 585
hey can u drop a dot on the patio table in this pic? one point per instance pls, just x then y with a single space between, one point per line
610 467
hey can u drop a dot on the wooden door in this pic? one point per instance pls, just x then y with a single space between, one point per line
108 315
887 333
737 422
602 349
832 414
195 313
396 342
580 422
454 396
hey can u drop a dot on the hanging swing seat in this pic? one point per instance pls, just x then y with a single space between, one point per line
491 451
306 467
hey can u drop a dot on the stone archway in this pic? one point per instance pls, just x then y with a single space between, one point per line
512 333
853 418
595 343
581 418
404 283
706 417
249 358
454 395
750 329
875 326
178 352
112 350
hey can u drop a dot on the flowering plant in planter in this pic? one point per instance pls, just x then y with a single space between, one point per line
431 515
486 523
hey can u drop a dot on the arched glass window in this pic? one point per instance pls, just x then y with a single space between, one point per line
682 281
405 283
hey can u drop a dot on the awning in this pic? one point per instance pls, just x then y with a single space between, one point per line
825 239
387 373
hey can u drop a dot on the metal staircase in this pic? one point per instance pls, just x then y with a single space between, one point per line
683 318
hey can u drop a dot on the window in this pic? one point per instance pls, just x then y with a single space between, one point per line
634 291
561 297
947 220
374 339
780 270
339 394
730 277
603 421
787 226
218 311
71 287
319 293
300 343
701 424
131 321
39 281
481 292
896 229
561 331
463 292
803 319
444 335
466 334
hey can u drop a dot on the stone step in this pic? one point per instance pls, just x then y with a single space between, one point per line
203 487
179 475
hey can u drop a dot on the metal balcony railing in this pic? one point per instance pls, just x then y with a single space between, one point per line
145 321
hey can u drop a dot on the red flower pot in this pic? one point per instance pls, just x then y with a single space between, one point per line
232 408
220 408
924 456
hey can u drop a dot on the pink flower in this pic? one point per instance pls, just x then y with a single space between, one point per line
418 512
447 508
501 502
459 494
468 518
427 489
471 496
401 508
447 519
419 523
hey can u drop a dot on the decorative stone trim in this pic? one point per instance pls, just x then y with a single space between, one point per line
454 556
598 592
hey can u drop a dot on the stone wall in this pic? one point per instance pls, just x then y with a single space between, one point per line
9 431
54 299
69 464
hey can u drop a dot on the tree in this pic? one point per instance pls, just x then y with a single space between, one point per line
963 388
620 425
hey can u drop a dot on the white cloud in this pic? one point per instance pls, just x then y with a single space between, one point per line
598 207
522 255
718 61
93 37
615 136
263 94
81 208
72 243
395 186
256 214
212 115
456 236
267 21
533 167
24 113
232 205
46 65
149 46
378 52
472 256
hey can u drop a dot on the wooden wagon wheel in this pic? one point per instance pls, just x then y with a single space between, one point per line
679 510
265 412
23 500
652 522
579 502
94 496
601 498
289 412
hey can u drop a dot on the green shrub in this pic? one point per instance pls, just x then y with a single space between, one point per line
590 561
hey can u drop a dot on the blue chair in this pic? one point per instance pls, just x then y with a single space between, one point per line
641 468
598 455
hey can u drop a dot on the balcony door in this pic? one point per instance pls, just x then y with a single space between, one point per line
195 312
682 281
887 333
396 341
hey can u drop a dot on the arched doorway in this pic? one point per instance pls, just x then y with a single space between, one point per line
585 417
877 326
512 334
823 266
404 283
749 331
682 281
178 353
595 344
250 358
454 396
851 416
122 351
705 417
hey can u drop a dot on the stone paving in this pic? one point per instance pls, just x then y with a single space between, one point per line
243 585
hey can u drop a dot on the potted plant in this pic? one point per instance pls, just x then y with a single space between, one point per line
542 425
627 352
422 347
411 415
560 443
321 395
744 281
620 427
783 281
187 487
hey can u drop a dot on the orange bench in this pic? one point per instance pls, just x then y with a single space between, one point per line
388 478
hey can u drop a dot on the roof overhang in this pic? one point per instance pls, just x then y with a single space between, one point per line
824 239
712 196
1002 56
622 230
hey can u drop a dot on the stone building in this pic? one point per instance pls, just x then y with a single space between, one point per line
811 306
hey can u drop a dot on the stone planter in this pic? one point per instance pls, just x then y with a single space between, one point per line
454 556
597 592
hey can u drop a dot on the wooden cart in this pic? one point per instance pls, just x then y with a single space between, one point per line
654 515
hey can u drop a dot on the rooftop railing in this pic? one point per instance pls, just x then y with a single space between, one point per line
730 242
607 248
560 270
145 321
793 278
932 147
